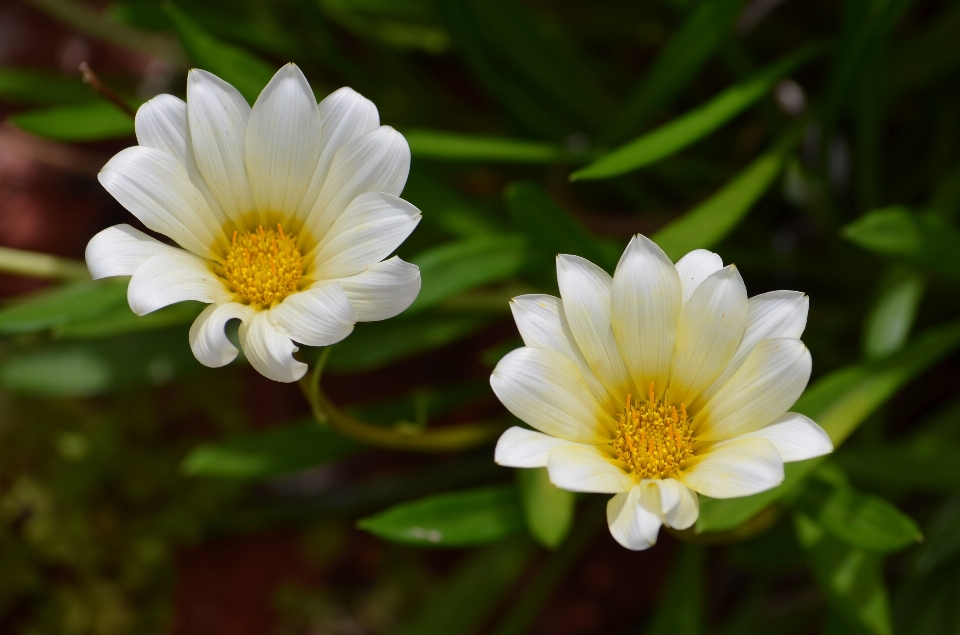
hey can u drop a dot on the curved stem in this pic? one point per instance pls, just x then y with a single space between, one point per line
453 439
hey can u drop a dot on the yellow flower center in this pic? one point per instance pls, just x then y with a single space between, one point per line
653 439
263 266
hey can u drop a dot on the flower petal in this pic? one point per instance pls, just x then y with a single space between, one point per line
696 267
319 316
769 315
796 437
155 188
585 289
584 468
269 351
679 505
344 116
218 114
542 324
382 290
283 142
708 333
161 124
208 337
120 250
631 524
369 230
741 467
378 161
544 389
519 447
768 383
173 276
647 297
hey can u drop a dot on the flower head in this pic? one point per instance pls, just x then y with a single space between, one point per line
659 383
284 212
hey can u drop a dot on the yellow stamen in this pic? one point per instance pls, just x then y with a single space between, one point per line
263 266
652 439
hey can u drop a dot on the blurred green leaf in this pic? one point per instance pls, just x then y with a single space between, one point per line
269 453
859 519
450 210
92 367
453 519
709 222
455 267
122 320
42 88
61 306
551 230
247 72
852 579
676 66
891 316
943 539
468 596
547 509
924 462
696 124
92 121
454 146
925 240
839 402
375 344
679 609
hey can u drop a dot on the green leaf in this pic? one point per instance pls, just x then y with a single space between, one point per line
851 578
61 306
926 240
93 121
122 320
92 367
859 519
925 462
679 609
473 591
672 137
547 509
42 88
247 72
455 267
838 402
891 316
453 519
375 344
710 222
270 453
451 211
453 146
551 230
677 65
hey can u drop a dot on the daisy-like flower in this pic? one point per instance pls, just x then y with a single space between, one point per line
659 383
284 212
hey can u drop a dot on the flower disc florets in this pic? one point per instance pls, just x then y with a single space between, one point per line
653 439
263 266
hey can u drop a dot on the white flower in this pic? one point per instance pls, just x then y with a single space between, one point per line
655 384
284 212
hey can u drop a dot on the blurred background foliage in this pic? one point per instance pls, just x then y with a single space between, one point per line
815 144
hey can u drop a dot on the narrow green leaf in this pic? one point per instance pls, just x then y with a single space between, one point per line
92 121
375 344
851 578
453 146
838 402
547 509
677 65
270 453
859 519
679 609
246 71
42 88
710 222
468 596
122 320
894 309
672 137
60 306
455 267
454 519
925 462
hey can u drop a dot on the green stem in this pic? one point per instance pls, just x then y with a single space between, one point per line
453 439
30 263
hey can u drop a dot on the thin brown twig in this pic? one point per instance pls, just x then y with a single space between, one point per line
89 77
